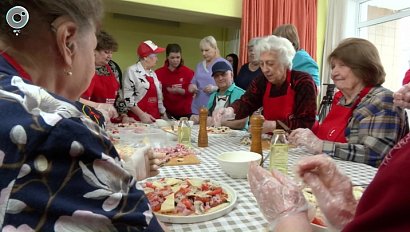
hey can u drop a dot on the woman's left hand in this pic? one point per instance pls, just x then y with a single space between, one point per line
305 137
402 97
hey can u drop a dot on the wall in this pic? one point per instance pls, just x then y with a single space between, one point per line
129 31
321 30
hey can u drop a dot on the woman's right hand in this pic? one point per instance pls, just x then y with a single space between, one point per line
192 88
402 97
332 189
146 118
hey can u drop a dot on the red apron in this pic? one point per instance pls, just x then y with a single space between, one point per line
103 89
279 108
149 103
334 125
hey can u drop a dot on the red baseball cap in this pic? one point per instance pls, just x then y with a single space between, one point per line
147 48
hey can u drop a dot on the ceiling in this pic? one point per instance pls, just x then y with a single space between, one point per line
169 14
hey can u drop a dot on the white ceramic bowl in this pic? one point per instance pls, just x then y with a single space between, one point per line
236 163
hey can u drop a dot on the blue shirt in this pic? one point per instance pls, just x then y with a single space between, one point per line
59 169
305 63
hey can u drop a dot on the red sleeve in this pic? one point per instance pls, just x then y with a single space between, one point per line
406 77
385 204
89 92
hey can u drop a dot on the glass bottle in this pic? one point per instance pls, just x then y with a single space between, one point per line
279 152
184 132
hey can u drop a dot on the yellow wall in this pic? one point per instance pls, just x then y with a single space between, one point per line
231 8
129 31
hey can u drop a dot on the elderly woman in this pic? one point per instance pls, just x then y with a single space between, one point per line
202 85
142 90
284 94
58 168
175 78
362 125
249 70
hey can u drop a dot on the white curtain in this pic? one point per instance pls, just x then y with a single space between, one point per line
340 24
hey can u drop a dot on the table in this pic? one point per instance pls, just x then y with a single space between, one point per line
246 216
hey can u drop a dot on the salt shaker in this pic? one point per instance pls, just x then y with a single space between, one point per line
203 134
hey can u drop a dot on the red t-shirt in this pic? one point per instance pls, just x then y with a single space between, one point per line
176 104
385 204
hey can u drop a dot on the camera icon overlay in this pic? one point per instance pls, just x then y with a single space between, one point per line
17 18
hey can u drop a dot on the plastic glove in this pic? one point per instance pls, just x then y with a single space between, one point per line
164 116
333 190
194 118
402 97
146 118
126 119
276 194
305 137
176 90
210 89
222 114
268 126
143 163
108 110
192 88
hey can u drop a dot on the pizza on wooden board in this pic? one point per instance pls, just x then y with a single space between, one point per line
185 196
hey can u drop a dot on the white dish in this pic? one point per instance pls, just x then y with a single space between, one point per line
204 217
236 163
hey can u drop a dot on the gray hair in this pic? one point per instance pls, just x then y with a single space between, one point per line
253 41
211 41
84 13
281 46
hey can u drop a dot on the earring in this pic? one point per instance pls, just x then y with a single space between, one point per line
68 73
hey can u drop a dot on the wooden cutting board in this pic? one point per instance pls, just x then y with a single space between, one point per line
186 160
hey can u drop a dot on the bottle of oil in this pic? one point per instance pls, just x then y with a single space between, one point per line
279 152
184 132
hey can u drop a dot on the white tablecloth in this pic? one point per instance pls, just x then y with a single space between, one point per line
246 215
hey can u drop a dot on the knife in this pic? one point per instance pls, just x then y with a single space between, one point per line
283 125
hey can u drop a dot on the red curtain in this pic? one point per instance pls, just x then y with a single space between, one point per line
261 17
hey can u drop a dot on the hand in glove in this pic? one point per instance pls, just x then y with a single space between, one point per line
146 118
143 163
108 110
333 190
305 137
222 114
192 88
402 97
210 89
276 194
268 126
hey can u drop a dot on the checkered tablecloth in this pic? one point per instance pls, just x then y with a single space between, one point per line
246 216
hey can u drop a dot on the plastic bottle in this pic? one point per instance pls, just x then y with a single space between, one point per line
184 132
279 152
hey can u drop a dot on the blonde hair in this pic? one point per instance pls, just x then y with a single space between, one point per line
211 41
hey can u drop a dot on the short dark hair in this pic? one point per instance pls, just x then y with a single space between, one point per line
362 57
174 48
106 42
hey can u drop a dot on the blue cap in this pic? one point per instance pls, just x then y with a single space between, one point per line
221 66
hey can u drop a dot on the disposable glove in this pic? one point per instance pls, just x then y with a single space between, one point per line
402 97
108 110
332 189
143 163
222 114
276 194
210 89
268 126
127 119
146 118
192 88
305 137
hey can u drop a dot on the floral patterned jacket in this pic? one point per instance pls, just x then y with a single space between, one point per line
59 172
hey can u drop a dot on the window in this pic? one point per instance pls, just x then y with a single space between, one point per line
386 23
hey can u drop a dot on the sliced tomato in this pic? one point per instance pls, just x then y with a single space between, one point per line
187 203
205 187
318 221
149 185
216 191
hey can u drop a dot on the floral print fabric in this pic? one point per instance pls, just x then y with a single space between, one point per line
59 171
